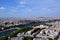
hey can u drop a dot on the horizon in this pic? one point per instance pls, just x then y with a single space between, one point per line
29 8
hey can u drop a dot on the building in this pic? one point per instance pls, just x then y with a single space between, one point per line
20 34
40 39
50 33
42 26
17 38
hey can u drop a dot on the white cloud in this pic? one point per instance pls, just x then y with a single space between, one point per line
29 10
56 5
46 10
22 2
14 10
50 0
2 8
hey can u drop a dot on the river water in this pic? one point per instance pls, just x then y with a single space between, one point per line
7 32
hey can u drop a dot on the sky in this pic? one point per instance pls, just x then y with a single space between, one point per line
29 8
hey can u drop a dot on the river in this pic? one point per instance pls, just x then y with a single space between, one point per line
7 32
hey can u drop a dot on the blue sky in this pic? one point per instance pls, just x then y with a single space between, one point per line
29 8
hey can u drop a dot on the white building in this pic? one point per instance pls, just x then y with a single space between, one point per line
17 38
40 39
20 34
28 33
50 33
41 26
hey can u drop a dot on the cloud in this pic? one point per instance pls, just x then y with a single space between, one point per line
57 5
46 10
50 0
29 10
14 10
22 2
2 8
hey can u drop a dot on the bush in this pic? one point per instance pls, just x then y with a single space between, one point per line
28 38
48 24
56 38
4 38
50 38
